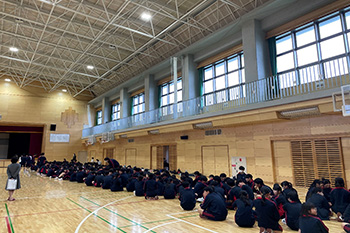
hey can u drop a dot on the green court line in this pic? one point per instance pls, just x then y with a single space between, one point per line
169 219
8 215
117 214
96 215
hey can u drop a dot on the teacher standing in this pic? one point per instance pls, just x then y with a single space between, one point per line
13 173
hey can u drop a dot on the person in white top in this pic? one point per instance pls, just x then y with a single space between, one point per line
92 160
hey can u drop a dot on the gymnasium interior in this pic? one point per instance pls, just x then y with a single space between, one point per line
207 85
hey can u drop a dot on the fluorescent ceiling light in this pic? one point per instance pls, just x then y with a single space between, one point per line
7 80
89 67
123 136
204 125
64 90
145 16
300 112
13 49
155 131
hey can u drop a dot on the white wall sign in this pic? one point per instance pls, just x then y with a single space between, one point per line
55 137
236 162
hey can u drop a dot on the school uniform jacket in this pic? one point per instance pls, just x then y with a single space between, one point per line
80 177
117 184
199 188
268 215
139 188
170 191
187 199
232 196
280 201
130 187
347 228
214 205
292 212
151 188
107 182
321 204
312 224
340 199
244 216
249 191
89 179
327 193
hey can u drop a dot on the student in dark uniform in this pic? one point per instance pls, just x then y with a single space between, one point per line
346 227
287 187
249 181
241 174
346 214
267 212
315 183
107 180
213 206
139 184
246 188
321 203
117 183
199 187
216 186
170 189
187 197
81 175
151 188
309 222
98 180
160 185
340 198
244 216
259 184
89 179
327 189
292 210
233 194
112 163
279 199
130 187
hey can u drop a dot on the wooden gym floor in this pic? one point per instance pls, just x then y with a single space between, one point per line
47 205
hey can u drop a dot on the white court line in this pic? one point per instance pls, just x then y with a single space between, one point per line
167 223
95 211
180 220
185 212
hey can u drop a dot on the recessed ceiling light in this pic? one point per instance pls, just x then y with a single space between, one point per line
146 16
89 67
7 80
13 49
64 90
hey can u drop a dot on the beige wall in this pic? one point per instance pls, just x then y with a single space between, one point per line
251 141
33 107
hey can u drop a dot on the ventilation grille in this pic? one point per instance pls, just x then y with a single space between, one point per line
130 140
213 132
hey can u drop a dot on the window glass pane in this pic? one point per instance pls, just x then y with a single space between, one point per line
309 74
285 62
208 73
330 27
165 90
143 107
349 39
220 83
332 47
134 111
221 96
287 79
179 96
235 93
307 55
164 100
208 86
232 64
171 87
305 36
118 107
118 116
171 98
136 100
179 84
233 79
142 98
347 15
99 113
284 44
220 69
243 76
242 60
209 99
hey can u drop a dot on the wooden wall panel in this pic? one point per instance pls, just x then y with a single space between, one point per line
130 157
283 167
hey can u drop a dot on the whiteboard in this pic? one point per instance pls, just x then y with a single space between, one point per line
55 137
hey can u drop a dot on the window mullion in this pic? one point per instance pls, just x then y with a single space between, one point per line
295 56
319 52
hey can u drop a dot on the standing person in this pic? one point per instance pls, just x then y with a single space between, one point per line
166 164
74 159
92 160
112 163
241 174
13 173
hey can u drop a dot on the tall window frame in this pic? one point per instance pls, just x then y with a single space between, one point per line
138 104
167 97
224 80
314 52
99 117
115 111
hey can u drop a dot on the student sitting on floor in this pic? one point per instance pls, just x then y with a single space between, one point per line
170 189
321 203
98 181
160 185
88 180
107 179
267 212
117 183
288 187
130 187
249 181
218 189
346 227
213 206
326 189
151 188
340 198
246 188
199 188
259 184
139 192
314 184
233 194
244 216
187 197
279 199
309 222
292 210
80 175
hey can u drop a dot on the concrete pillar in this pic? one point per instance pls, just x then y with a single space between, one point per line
190 80
91 115
125 103
106 110
151 93
255 49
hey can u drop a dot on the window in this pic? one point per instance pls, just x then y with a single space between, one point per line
138 104
314 51
224 80
99 117
167 97
116 112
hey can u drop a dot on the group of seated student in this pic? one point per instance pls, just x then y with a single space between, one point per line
253 200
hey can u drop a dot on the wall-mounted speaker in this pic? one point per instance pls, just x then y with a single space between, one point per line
53 127
185 137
